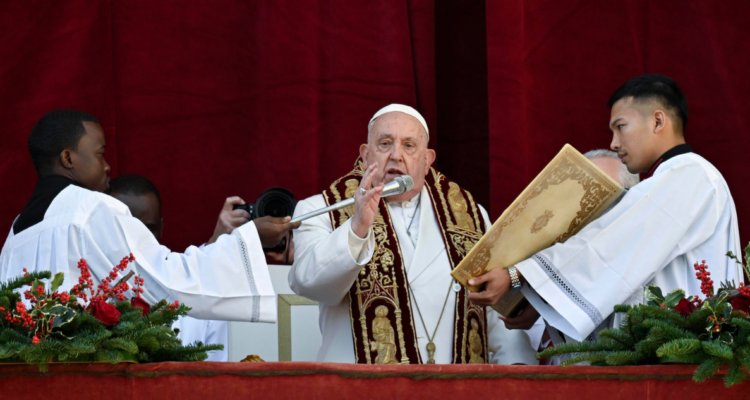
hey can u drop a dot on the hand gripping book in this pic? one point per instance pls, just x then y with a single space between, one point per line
566 196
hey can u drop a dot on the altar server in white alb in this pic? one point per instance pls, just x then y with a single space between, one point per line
68 218
144 202
682 213
380 269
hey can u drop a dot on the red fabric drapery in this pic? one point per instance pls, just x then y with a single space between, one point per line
552 66
212 99
346 381
221 98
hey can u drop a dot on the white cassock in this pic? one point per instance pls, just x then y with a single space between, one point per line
226 280
207 331
327 262
683 214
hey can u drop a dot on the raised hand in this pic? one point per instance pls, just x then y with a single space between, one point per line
229 219
366 204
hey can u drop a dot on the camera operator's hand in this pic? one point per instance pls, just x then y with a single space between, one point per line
271 229
286 257
229 219
366 205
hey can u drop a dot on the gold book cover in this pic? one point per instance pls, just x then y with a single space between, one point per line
569 193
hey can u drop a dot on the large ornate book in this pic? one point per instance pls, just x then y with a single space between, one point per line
567 195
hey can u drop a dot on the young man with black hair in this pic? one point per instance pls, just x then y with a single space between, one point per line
682 213
68 219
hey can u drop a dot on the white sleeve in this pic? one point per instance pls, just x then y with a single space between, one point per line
575 285
326 261
225 280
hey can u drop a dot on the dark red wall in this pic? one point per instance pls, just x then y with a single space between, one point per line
221 98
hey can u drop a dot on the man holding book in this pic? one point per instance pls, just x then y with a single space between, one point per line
681 214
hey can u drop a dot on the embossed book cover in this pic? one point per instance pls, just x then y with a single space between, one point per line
568 194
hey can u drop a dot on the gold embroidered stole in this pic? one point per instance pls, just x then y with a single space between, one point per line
379 302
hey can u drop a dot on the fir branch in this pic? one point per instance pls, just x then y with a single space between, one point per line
679 347
578 347
21 281
707 369
717 349
624 358
735 375
618 336
120 343
664 313
592 357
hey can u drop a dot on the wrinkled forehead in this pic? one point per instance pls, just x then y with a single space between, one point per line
397 125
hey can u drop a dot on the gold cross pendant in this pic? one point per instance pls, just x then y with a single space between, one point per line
431 353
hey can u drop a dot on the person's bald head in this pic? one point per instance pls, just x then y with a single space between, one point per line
397 141
142 198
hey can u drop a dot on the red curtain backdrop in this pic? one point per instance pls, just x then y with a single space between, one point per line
221 98
212 99
552 66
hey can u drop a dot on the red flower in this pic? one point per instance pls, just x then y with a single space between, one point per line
740 303
685 307
35 340
106 313
140 303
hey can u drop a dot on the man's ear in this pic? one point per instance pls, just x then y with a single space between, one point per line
429 159
66 159
660 120
363 154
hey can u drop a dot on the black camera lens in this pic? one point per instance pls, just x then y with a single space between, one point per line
274 202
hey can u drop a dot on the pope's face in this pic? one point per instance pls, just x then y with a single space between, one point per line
398 143
632 138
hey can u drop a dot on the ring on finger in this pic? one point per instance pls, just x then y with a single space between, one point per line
362 191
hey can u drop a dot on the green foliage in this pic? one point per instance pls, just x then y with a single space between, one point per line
70 333
712 336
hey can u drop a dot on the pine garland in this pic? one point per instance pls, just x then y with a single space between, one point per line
58 328
676 329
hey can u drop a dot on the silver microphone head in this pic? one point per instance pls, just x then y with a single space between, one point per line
399 185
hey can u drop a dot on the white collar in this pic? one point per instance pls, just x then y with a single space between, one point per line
406 203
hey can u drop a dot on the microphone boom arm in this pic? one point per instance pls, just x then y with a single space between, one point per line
400 185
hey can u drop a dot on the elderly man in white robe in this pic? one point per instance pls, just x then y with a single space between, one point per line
380 269
68 219
681 214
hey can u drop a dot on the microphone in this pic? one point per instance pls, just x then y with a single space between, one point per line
400 185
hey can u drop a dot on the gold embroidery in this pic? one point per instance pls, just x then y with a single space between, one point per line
385 340
558 171
378 284
351 189
463 243
448 221
541 221
460 208
475 344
